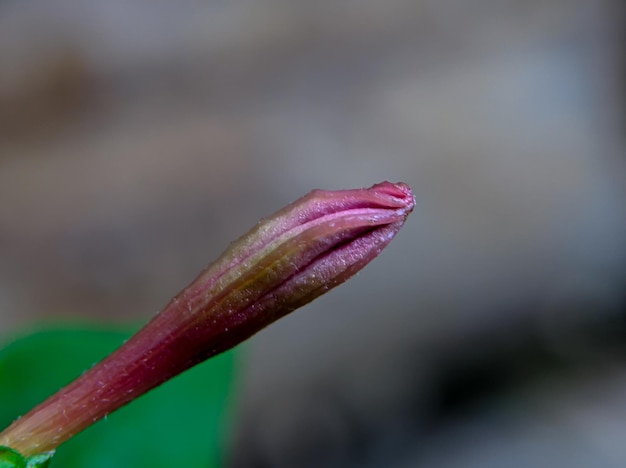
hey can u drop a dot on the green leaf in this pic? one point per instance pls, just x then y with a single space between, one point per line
181 423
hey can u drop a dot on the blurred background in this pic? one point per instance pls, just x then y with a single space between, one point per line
137 139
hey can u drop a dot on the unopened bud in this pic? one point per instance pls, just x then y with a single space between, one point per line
286 261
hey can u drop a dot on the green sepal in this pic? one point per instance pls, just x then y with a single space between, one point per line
10 458
39 461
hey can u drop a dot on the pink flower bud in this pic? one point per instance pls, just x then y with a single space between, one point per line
286 261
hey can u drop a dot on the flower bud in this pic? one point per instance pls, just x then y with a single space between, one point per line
286 261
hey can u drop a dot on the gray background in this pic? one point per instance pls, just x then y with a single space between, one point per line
137 139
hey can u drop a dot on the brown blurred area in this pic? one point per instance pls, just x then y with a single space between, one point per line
138 139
